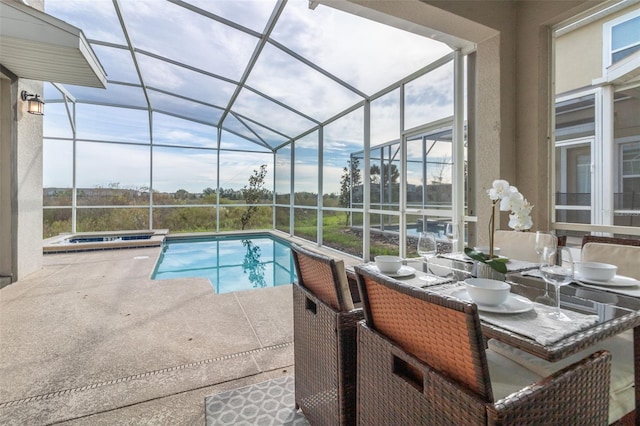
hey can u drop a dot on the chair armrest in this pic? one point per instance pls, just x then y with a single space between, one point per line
577 394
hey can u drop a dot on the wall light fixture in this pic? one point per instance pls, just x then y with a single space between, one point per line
34 103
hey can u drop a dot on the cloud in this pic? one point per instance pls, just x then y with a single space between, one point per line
175 131
332 39
112 124
188 37
366 54
306 177
57 167
97 18
271 115
283 77
100 164
252 14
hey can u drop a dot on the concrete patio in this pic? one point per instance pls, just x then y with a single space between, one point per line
91 340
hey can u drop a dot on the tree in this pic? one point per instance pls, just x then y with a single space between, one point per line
251 264
374 174
383 182
181 194
253 193
438 177
350 179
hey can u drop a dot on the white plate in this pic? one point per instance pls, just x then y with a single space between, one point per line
514 304
404 271
616 281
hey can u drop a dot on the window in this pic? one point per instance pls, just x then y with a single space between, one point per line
621 38
626 203
573 181
596 157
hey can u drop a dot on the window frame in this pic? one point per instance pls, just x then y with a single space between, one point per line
607 38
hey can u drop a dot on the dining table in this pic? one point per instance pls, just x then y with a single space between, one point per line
597 312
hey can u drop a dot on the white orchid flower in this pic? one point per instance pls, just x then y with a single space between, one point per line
520 222
499 189
511 198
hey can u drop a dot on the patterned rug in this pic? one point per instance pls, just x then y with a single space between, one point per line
267 403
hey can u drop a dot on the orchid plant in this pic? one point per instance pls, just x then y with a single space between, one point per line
509 199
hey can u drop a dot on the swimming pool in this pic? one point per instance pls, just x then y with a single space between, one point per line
230 263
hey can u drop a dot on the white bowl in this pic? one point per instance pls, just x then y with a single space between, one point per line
388 264
484 291
596 271
485 250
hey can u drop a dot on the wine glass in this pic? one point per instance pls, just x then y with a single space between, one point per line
557 272
427 248
545 239
453 234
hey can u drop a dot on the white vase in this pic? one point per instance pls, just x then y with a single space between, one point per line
482 270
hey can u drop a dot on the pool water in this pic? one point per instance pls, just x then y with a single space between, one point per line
230 263
101 239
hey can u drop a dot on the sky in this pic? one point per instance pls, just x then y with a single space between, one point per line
190 64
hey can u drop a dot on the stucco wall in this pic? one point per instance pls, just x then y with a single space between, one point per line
20 178
578 58
6 252
579 54
28 185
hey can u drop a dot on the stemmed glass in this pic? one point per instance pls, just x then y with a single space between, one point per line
427 248
452 234
545 239
558 273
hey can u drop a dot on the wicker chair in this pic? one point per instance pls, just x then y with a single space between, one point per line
422 360
623 252
610 240
325 351
519 245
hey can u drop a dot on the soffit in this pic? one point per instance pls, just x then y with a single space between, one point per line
36 46
625 71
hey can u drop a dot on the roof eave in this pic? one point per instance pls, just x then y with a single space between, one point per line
37 46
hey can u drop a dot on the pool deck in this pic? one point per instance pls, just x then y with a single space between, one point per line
91 340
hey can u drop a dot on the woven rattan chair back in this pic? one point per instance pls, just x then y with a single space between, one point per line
610 240
320 275
324 340
441 331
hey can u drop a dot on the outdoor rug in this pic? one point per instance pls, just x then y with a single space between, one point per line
267 403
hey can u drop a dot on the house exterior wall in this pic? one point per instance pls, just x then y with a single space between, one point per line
20 183
579 54
6 202
20 179
578 58
28 186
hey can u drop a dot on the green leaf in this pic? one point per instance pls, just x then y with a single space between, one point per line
475 255
498 264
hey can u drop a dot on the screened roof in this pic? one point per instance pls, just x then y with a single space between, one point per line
264 70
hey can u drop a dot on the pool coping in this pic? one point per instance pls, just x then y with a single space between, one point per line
56 244
53 245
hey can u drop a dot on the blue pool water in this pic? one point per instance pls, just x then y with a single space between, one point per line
231 263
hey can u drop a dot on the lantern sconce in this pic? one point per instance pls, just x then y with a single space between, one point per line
35 105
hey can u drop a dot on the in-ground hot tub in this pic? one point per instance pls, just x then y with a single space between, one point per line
87 241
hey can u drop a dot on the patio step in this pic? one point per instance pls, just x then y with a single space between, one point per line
5 281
